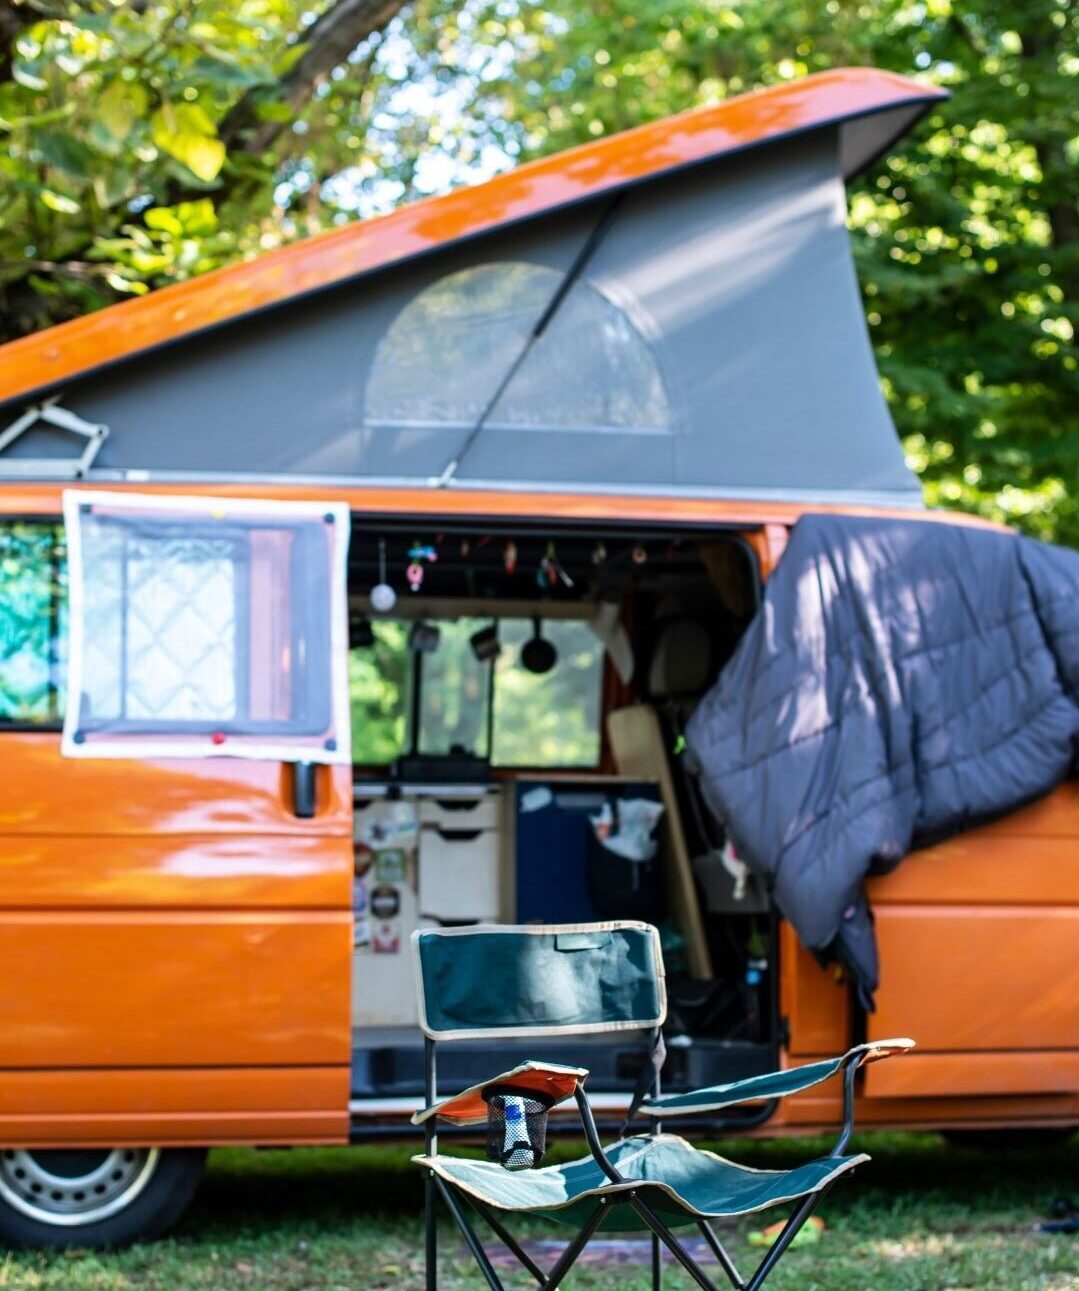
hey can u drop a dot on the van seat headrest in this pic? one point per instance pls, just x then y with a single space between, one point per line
681 664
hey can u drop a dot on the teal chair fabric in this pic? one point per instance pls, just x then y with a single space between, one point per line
684 1184
776 1084
535 980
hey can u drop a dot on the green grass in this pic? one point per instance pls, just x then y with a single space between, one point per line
922 1217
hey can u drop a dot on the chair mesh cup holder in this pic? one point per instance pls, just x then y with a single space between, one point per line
516 1126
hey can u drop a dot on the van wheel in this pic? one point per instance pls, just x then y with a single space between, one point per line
94 1197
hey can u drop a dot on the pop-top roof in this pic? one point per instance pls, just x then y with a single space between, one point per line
670 310
873 108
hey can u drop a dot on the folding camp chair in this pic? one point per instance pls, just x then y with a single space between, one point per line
493 982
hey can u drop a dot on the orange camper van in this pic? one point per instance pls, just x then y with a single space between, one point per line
342 590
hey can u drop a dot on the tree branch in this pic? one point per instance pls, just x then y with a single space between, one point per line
328 42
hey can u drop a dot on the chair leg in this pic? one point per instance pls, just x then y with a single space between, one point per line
657 1264
660 1229
722 1258
503 1232
803 1211
471 1240
569 1256
430 1236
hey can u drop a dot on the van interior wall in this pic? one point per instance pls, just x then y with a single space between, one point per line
518 698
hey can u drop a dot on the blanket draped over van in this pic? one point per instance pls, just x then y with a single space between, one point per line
901 681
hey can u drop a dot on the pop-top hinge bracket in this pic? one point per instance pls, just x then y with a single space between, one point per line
66 468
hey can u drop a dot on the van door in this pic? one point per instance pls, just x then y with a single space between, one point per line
174 967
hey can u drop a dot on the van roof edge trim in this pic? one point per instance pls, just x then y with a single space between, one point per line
911 499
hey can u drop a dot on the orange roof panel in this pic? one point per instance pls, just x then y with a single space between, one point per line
42 360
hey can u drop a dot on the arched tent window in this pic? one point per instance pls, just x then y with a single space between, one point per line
450 349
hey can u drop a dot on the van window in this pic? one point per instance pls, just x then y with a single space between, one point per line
455 693
380 691
549 719
538 720
33 622
205 627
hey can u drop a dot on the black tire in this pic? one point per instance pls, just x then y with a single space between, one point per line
1011 1139
94 1198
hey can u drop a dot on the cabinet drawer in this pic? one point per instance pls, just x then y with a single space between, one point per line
459 874
479 812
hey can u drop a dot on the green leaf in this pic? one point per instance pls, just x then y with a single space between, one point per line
131 285
120 105
25 76
112 187
185 132
59 203
63 150
163 219
99 22
193 219
218 70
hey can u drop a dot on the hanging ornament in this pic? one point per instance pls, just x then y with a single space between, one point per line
414 574
639 555
465 546
599 554
545 574
422 551
560 569
509 557
551 571
383 597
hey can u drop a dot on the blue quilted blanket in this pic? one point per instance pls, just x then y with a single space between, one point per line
902 680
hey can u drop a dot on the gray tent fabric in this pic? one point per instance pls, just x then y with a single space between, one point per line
901 681
704 336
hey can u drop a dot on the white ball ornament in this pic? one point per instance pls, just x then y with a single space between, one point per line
383 598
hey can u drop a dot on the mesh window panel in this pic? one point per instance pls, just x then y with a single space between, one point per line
207 626
448 351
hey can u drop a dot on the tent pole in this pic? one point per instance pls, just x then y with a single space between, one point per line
580 263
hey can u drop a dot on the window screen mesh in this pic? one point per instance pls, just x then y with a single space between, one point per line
161 631
448 351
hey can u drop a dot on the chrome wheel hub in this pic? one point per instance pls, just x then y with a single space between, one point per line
65 1188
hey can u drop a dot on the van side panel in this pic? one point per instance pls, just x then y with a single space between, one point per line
977 939
175 951
171 1107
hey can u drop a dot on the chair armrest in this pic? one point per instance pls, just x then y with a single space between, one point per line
776 1084
468 1107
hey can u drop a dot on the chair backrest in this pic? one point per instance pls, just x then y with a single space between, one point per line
536 979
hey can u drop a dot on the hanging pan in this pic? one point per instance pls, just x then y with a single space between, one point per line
538 654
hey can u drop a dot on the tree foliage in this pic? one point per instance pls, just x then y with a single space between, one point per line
147 142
